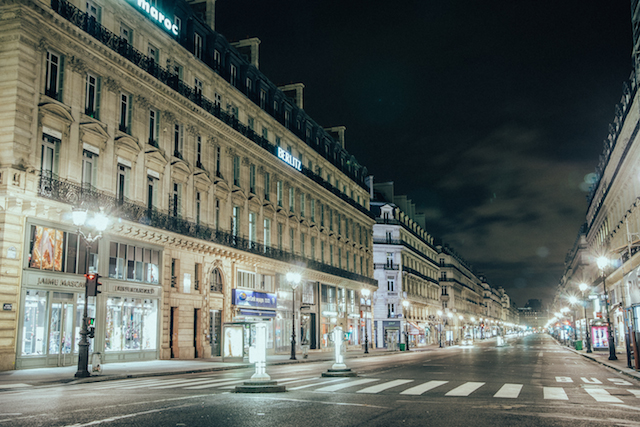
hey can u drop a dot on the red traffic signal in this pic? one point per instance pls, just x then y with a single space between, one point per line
92 284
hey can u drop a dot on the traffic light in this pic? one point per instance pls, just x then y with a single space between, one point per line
92 284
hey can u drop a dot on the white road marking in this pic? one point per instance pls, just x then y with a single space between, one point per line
15 385
298 381
465 389
233 386
337 387
564 380
121 417
509 391
602 395
636 393
312 384
423 388
153 383
540 354
554 393
619 381
384 386
590 381
200 387
191 382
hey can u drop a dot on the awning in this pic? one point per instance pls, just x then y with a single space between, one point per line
257 313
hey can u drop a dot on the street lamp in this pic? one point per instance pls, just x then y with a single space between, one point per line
294 280
99 222
406 303
573 301
365 293
602 264
450 322
440 328
583 287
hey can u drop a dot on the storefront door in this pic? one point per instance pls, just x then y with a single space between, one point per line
61 330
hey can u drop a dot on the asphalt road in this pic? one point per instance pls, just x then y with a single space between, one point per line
532 381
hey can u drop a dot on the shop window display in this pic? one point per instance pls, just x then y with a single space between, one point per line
128 262
57 250
34 325
131 324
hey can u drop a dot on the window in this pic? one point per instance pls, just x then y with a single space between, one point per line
197 276
391 311
330 220
178 23
235 221
443 275
389 259
236 171
249 84
302 205
216 280
233 111
197 45
123 182
280 232
50 155
199 152
154 127
312 202
126 33
216 59
153 53
339 257
178 140
267 185
302 244
54 76
197 86
292 241
252 179
313 248
152 188
217 218
322 251
263 99
175 201
175 270
89 169
292 202
361 265
322 215
246 279
251 123
279 193
278 141
94 11
92 96
252 227
217 100
132 324
267 233
390 284
331 255
348 257
128 262
197 207
233 75
346 227
178 70
125 113
57 250
265 133
287 118
218 161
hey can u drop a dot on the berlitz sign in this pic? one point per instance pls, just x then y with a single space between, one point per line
158 16
289 159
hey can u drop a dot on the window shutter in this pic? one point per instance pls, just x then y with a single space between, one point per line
56 156
157 129
127 173
178 209
99 15
181 139
129 115
94 171
61 79
156 184
98 92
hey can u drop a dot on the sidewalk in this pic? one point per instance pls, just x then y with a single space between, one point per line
112 371
602 357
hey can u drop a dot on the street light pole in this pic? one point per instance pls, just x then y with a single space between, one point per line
584 287
365 293
602 263
294 280
100 224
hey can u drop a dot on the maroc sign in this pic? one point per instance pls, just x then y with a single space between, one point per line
289 159
158 16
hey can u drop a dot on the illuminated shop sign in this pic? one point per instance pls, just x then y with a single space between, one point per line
289 159
253 299
158 16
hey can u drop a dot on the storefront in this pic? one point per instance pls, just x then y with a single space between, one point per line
249 307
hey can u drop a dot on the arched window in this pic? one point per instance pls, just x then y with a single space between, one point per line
216 280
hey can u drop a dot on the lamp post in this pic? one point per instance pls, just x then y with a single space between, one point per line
602 264
573 301
294 280
563 312
440 328
583 287
365 293
405 304
99 223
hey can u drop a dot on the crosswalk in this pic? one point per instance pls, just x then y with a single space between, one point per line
590 391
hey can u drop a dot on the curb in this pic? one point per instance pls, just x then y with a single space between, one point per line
626 371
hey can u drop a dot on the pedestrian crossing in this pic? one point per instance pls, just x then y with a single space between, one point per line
590 391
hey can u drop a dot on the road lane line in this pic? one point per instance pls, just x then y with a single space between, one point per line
509 391
636 393
200 387
602 395
423 388
384 386
337 387
314 384
555 393
465 389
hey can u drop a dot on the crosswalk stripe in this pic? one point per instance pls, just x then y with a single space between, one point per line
120 383
191 382
200 387
636 393
297 381
465 389
423 388
337 387
384 386
509 391
602 395
313 384
150 384
554 393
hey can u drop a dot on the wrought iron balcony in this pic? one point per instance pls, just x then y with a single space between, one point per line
53 187
386 266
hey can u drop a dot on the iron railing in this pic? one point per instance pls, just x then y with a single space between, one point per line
51 186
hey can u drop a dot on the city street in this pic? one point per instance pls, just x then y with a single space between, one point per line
531 381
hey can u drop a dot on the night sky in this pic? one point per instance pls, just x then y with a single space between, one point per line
488 114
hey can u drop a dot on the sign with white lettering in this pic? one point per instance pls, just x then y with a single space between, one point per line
254 299
146 8
289 159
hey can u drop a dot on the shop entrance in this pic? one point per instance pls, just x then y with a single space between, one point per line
308 330
61 330
215 334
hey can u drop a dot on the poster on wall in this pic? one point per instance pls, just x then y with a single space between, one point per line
599 337
233 342
46 252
